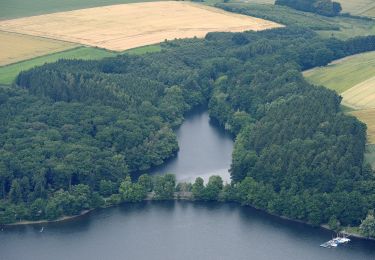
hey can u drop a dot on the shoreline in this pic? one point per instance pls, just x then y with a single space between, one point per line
45 221
178 197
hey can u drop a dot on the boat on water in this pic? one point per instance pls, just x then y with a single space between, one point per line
329 244
333 243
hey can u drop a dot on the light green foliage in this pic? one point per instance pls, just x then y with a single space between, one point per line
164 186
367 227
213 188
131 192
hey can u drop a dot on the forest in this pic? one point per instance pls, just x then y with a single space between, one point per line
74 132
322 7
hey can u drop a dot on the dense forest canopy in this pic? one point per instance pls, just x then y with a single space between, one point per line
72 131
322 7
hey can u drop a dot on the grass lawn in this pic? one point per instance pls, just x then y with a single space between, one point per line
10 72
345 73
20 8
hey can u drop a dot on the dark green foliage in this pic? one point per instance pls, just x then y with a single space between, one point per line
73 129
198 189
322 7
164 186
146 182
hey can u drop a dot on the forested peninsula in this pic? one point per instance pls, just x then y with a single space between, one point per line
72 132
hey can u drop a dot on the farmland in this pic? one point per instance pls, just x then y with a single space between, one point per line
361 96
354 78
122 27
340 27
21 8
343 74
367 116
16 47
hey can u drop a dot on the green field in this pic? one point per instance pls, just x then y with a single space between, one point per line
356 7
344 74
340 27
20 8
350 27
10 72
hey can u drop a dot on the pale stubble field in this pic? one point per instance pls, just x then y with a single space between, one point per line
126 26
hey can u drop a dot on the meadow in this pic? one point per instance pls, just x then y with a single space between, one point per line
11 9
341 27
122 27
343 74
16 47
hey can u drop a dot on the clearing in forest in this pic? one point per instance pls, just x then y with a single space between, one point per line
122 27
16 47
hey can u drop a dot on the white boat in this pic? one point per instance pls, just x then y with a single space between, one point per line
341 239
41 230
335 242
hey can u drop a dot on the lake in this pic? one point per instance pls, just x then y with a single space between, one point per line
180 230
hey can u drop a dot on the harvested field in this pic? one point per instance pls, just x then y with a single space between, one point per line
122 27
361 96
368 117
370 12
16 47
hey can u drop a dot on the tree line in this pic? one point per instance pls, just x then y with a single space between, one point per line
322 7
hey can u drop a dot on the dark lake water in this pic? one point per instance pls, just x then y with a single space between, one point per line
180 230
